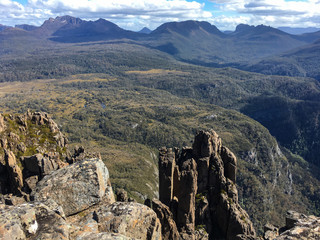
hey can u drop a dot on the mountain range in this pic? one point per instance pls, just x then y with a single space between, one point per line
248 47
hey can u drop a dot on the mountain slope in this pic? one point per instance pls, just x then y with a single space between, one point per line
3 27
127 113
303 61
84 31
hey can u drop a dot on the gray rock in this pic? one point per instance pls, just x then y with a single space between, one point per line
33 222
103 236
76 187
302 227
130 219
17 221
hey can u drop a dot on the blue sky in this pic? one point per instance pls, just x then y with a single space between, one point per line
135 14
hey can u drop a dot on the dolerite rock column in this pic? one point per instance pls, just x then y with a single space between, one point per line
198 185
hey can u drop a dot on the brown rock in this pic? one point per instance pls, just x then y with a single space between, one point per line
40 165
169 229
10 199
230 163
31 183
2 124
166 169
186 196
202 180
270 232
122 195
14 173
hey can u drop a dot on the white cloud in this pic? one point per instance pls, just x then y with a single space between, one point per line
275 12
120 11
135 14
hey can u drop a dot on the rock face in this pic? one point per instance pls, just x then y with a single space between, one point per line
169 228
76 187
298 227
198 185
14 173
31 146
77 202
31 221
130 219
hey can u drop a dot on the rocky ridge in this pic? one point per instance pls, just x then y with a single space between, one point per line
53 194
197 185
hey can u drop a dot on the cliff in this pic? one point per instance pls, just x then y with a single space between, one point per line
198 186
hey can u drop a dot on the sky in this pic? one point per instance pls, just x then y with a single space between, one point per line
136 14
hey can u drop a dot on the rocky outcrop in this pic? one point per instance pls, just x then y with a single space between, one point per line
198 185
31 221
130 219
2 125
31 146
169 229
77 202
14 172
298 227
76 187
103 236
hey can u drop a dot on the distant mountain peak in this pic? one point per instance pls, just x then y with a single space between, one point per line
26 27
186 27
3 27
145 30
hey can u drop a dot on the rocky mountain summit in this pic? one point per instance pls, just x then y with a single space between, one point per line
49 193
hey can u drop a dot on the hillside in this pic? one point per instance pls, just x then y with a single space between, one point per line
303 61
123 108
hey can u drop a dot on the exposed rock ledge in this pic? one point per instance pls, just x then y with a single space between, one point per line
298 227
77 202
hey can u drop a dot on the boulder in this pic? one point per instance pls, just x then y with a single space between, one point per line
16 222
31 183
122 195
51 225
130 219
32 221
76 187
103 236
300 227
